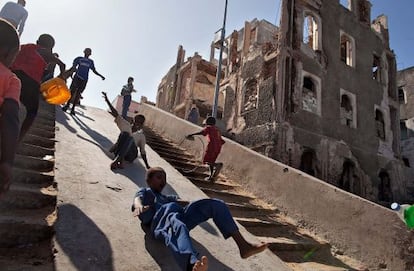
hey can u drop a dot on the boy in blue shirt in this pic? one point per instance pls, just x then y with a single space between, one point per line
82 65
171 220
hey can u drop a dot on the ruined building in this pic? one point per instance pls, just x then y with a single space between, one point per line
318 93
405 83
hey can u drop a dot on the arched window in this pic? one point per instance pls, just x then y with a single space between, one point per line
380 124
250 95
384 189
311 32
347 50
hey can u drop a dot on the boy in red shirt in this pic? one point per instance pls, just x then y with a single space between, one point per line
9 102
29 66
213 147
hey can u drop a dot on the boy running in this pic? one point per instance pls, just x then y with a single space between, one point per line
82 65
213 147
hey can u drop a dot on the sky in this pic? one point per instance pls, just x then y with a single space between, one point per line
140 38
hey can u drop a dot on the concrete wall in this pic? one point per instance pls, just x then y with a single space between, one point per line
360 228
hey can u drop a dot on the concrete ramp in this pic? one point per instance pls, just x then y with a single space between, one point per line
95 229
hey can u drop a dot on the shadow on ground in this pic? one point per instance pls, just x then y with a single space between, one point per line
163 257
78 236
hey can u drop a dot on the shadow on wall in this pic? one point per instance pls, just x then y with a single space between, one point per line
81 239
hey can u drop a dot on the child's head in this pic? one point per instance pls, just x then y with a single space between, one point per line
211 121
156 178
130 80
9 43
46 41
87 52
22 2
139 121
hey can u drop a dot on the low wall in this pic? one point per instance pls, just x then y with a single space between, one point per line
361 229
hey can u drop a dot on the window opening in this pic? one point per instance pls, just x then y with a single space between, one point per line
380 125
346 111
384 191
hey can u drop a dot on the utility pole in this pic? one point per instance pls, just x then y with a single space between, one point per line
218 74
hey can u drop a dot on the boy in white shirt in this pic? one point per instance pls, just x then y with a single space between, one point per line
16 14
131 137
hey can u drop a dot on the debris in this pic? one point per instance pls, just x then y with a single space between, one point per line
116 189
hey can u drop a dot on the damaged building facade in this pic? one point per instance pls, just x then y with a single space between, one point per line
317 93
405 83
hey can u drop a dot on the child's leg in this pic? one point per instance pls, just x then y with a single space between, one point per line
30 99
201 265
217 169
202 210
174 233
211 167
247 249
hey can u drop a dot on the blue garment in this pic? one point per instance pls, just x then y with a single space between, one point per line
172 224
153 199
83 66
193 115
125 105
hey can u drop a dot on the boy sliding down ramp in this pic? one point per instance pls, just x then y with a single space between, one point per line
171 220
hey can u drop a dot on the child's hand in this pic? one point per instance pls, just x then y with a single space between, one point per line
140 210
5 178
104 95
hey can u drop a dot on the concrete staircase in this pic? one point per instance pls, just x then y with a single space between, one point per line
299 249
28 211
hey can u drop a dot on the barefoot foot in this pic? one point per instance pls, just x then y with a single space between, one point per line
251 250
201 265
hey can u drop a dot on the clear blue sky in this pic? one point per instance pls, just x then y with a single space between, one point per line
140 38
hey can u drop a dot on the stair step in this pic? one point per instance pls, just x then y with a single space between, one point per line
192 174
170 151
33 257
29 197
34 177
42 132
288 244
44 127
311 266
22 227
250 223
34 151
45 122
183 157
39 141
34 163
185 163
249 211
227 196
218 185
